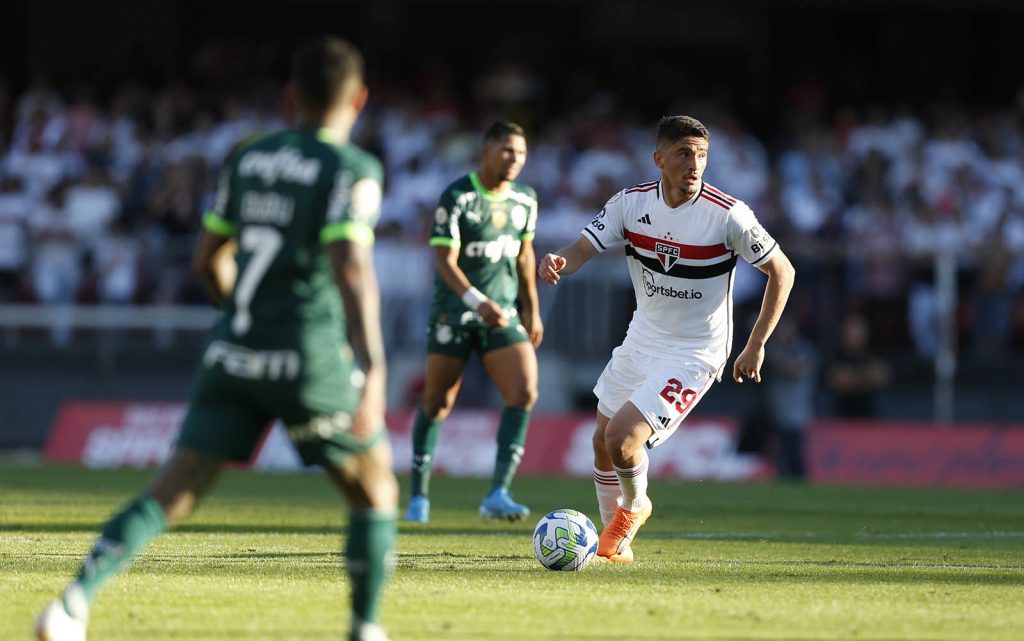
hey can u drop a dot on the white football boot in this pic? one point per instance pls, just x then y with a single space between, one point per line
55 624
362 631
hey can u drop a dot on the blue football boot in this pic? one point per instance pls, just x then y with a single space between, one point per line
418 510
499 505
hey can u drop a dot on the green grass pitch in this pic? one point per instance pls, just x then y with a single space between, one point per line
260 560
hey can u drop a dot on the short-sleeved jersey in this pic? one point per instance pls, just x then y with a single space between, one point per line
488 229
682 262
284 197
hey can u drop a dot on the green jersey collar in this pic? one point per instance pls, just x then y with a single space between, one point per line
330 136
485 192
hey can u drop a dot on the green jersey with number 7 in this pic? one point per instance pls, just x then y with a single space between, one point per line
285 196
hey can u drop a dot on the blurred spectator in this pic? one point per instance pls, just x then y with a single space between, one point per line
56 257
862 198
91 205
791 379
14 210
116 261
856 375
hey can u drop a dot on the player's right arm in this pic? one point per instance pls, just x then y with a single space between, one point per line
218 229
206 265
566 260
446 261
446 239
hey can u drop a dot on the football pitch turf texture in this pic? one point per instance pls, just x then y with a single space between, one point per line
260 559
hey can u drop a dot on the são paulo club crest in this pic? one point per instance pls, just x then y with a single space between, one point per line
668 254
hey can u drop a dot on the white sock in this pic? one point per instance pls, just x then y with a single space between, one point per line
74 602
634 485
609 493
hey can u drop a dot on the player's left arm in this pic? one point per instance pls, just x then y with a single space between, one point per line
781 275
529 308
349 237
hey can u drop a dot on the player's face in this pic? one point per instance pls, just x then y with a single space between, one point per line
505 157
682 164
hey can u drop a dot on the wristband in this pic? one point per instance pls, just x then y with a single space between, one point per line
472 298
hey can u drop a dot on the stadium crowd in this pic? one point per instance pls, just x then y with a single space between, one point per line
101 195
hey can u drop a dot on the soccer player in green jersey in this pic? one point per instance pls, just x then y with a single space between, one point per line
299 340
485 300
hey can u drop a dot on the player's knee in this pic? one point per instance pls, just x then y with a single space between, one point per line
435 407
621 444
524 398
378 490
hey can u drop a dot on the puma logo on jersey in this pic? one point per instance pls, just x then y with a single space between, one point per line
645 219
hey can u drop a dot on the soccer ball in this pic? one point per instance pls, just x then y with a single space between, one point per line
565 540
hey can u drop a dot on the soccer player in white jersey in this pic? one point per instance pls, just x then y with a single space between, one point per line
682 238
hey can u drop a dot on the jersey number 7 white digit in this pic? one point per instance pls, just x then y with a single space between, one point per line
263 243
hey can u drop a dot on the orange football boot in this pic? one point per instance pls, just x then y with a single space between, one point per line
614 544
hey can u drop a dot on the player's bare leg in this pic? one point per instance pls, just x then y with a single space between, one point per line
369 485
513 369
172 496
625 436
183 481
443 380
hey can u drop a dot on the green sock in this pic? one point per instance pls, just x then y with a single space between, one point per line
369 558
424 439
511 441
120 539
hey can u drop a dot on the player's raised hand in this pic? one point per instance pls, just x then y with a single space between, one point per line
549 267
748 364
492 314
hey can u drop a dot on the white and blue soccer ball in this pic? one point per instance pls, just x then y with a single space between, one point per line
565 540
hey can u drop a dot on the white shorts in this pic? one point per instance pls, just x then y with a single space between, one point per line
663 390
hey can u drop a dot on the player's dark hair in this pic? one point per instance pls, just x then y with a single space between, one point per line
672 128
325 70
502 128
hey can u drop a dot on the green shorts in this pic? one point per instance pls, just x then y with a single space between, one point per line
445 335
240 390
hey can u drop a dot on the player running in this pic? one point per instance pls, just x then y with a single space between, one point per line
483 242
301 204
682 237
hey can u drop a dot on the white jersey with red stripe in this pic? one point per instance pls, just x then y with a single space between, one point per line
682 262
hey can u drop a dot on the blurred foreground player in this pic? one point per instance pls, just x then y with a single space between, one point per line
483 246
301 204
681 237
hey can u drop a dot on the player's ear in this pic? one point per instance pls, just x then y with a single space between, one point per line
657 158
361 96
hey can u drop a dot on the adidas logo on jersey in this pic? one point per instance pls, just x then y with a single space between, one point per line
664 420
645 219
